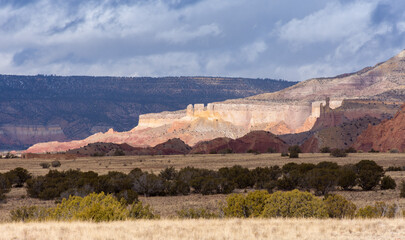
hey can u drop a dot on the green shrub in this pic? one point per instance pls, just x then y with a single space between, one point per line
367 212
128 195
325 150
322 180
380 209
294 151
168 173
119 152
138 211
235 206
347 177
339 207
284 154
56 164
338 153
294 204
255 202
45 165
388 183
195 213
350 150
94 207
369 174
5 187
394 169
18 176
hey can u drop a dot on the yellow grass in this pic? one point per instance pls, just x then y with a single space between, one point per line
245 229
211 161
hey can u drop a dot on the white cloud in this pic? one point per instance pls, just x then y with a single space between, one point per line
184 34
253 50
205 37
333 23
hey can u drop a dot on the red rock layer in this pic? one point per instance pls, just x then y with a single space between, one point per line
255 141
383 137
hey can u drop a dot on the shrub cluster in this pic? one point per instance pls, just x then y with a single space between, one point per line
61 184
322 178
16 177
94 207
294 203
325 176
297 204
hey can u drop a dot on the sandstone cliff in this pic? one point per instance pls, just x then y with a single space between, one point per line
388 135
54 108
291 110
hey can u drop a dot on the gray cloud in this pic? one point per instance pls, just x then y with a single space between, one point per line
258 38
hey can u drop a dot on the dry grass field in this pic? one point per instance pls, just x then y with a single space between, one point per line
210 161
246 229
167 206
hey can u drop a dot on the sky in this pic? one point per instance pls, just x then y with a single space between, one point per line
282 39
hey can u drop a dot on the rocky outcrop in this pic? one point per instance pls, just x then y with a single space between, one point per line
42 108
170 147
388 135
291 110
255 142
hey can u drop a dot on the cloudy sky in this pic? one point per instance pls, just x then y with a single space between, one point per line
288 39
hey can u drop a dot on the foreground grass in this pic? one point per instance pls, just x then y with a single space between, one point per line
245 229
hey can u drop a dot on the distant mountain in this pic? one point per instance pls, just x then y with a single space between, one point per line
54 108
292 110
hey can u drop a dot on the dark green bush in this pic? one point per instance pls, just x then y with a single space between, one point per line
351 150
325 150
338 153
5 187
369 174
394 168
44 165
347 177
322 180
388 183
56 164
294 151
18 176
168 173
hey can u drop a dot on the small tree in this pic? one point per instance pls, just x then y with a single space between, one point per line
338 153
294 151
388 183
369 174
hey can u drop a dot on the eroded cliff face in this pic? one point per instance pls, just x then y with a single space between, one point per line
292 110
29 134
385 136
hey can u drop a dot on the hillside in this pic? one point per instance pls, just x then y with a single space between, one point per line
52 108
388 135
291 110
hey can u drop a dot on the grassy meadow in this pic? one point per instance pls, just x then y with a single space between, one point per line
246 229
168 227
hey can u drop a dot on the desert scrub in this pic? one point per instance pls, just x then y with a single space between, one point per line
379 210
339 207
294 204
94 207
